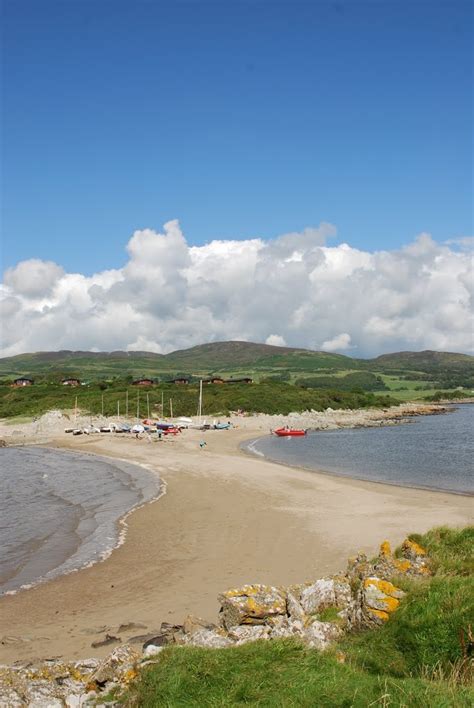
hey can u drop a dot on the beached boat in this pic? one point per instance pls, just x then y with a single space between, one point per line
289 432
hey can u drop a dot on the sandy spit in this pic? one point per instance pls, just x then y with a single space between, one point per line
226 519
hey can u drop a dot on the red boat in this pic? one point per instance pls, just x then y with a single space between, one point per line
287 432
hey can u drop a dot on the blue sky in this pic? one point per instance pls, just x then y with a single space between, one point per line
240 119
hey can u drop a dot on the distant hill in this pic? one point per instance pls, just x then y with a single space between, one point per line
424 361
219 354
225 357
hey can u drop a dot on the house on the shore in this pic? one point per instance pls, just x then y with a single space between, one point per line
181 380
214 380
23 381
245 380
71 382
143 382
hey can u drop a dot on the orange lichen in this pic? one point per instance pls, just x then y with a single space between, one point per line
379 613
402 565
383 585
130 675
385 549
391 603
413 547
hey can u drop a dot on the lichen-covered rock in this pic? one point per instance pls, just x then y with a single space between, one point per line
373 603
251 604
413 561
379 599
294 607
320 635
10 698
120 666
412 550
242 634
326 592
210 638
287 627
358 568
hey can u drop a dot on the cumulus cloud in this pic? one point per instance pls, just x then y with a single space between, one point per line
33 277
337 344
294 290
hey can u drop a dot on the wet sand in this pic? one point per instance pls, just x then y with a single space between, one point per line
226 519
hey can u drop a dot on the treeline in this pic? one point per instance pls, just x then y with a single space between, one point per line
455 394
271 398
357 380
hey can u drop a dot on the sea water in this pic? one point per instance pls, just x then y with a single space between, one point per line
59 510
434 452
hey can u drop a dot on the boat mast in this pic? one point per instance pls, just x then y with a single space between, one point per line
200 400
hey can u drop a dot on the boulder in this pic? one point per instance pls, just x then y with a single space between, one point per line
251 604
413 561
210 638
376 600
248 633
119 666
287 627
320 635
326 592
294 607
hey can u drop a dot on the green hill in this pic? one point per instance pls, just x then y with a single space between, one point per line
228 357
424 361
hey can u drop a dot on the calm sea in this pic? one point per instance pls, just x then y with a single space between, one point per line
59 510
434 452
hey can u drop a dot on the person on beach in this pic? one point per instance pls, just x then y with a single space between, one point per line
202 444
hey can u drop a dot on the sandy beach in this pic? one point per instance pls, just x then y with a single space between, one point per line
227 518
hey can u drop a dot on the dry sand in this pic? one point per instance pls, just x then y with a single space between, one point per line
227 519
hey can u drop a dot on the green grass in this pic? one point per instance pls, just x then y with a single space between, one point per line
280 673
417 659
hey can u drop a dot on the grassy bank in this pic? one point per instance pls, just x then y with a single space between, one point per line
421 657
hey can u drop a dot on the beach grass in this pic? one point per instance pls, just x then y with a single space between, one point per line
421 657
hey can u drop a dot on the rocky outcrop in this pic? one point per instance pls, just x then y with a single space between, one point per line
251 604
317 613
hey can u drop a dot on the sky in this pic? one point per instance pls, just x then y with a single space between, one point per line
293 153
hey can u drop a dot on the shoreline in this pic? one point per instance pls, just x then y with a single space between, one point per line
243 446
227 519
119 523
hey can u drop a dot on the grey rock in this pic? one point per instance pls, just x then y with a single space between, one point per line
116 664
321 634
326 592
294 606
211 638
251 633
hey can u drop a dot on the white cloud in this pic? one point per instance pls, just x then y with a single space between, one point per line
33 277
339 343
275 340
302 291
